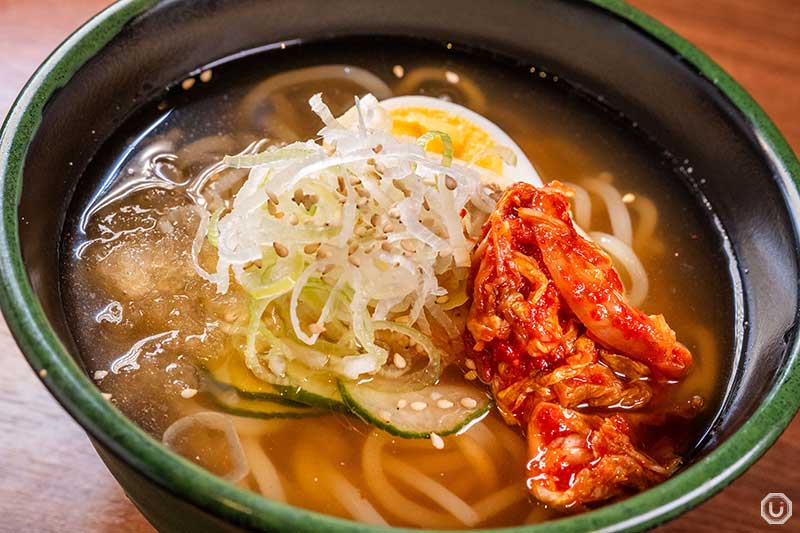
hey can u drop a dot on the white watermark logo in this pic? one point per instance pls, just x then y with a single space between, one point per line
776 508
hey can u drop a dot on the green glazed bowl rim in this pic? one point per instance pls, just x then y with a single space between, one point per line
67 382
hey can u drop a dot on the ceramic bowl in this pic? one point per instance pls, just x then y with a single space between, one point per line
124 57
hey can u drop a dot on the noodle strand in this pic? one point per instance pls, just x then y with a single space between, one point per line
264 472
433 490
617 211
389 498
624 254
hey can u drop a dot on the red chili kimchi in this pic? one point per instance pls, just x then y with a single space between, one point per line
566 356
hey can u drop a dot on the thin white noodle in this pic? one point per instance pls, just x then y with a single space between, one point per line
583 206
433 490
625 256
411 82
510 440
350 498
646 222
264 472
483 435
305 475
499 501
388 497
480 461
439 462
617 211
205 148
705 342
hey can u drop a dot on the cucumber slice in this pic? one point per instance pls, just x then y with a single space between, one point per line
402 414
234 374
229 401
311 387
299 385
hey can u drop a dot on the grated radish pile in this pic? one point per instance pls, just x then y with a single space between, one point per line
337 240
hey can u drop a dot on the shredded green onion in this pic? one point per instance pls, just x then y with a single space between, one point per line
213 231
447 145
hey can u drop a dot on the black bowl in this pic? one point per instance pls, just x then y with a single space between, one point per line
743 171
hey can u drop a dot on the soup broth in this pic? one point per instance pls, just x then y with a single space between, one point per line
148 326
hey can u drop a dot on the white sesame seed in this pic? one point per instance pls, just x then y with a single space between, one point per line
443 299
437 441
399 361
419 406
471 375
100 374
405 319
280 249
388 227
469 363
452 77
311 248
628 198
43 373
398 71
444 404
316 328
408 245
469 403
106 395
188 393
386 416
187 84
206 75
401 403
436 395
293 220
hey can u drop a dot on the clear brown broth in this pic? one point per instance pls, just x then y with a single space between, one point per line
137 259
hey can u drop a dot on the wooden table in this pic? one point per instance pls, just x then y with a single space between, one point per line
51 479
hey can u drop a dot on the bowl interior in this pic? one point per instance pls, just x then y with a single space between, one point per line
734 172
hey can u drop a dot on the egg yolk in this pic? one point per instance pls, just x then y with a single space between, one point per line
468 139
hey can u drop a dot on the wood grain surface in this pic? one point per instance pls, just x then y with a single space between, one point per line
51 480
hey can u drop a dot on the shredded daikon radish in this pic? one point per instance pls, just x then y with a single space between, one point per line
366 214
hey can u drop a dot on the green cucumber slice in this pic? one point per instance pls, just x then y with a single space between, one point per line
403 414
299 385
228 399
311 387
234 374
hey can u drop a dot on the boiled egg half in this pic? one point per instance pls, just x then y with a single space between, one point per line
475 138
